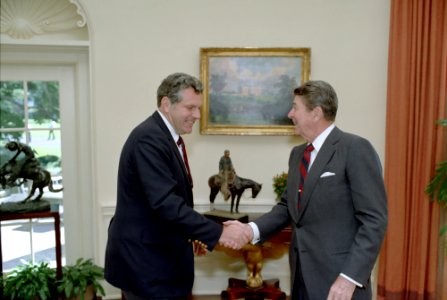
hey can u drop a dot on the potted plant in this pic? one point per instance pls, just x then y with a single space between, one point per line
30 281
81 280
279 184
437 187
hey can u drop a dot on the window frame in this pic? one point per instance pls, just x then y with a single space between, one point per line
76 141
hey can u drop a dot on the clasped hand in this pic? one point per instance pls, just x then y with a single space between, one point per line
235 235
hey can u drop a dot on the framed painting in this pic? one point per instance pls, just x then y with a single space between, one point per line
249 91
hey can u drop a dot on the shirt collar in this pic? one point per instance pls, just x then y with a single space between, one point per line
174 134
318 142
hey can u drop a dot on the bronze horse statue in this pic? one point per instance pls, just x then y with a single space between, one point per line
237 187
27 168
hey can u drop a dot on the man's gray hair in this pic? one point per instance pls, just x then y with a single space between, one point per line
172 85
319 93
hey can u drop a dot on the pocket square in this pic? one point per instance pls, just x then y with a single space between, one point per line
327 174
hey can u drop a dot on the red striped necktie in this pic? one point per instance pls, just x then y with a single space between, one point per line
181 143
304 166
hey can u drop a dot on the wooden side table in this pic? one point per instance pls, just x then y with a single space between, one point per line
37 215
254 255
269 289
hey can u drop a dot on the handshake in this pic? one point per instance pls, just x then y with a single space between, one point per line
235 235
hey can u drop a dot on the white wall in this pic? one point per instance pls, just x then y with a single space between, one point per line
135 44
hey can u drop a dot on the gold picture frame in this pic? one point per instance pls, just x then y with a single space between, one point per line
249 91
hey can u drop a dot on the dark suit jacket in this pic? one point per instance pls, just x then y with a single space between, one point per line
343 216
148 249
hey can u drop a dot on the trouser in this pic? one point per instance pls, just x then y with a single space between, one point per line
299 286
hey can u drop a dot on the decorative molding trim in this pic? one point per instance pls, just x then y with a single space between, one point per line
81 12
24 19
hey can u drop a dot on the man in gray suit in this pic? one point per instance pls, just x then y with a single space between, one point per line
338 213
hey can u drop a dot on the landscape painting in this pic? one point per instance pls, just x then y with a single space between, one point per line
250 91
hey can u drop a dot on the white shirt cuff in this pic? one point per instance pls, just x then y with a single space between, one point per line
256 234
351 280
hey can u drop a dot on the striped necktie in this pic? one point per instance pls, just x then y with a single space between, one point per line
304 165
181 144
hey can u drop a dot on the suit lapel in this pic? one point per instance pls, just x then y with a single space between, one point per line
294 179
323 157
171 142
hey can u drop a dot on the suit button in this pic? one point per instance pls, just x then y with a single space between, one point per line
298 225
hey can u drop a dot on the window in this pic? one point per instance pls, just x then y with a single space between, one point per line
29 116
69 67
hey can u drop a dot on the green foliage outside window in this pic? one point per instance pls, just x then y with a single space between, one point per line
29 113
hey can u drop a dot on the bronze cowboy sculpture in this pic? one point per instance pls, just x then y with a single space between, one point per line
17 171
230 184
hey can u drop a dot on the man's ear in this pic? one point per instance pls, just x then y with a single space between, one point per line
165 104
318 113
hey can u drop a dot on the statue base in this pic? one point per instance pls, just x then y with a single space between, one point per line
238 288
221 216
27 207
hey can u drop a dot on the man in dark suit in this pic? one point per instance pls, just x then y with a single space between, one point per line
337 209
152 236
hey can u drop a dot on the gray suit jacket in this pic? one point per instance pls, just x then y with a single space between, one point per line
343 216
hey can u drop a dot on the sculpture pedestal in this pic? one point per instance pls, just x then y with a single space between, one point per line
254 287
238 289
57 232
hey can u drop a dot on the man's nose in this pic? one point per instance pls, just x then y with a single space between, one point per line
290 115
196 113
